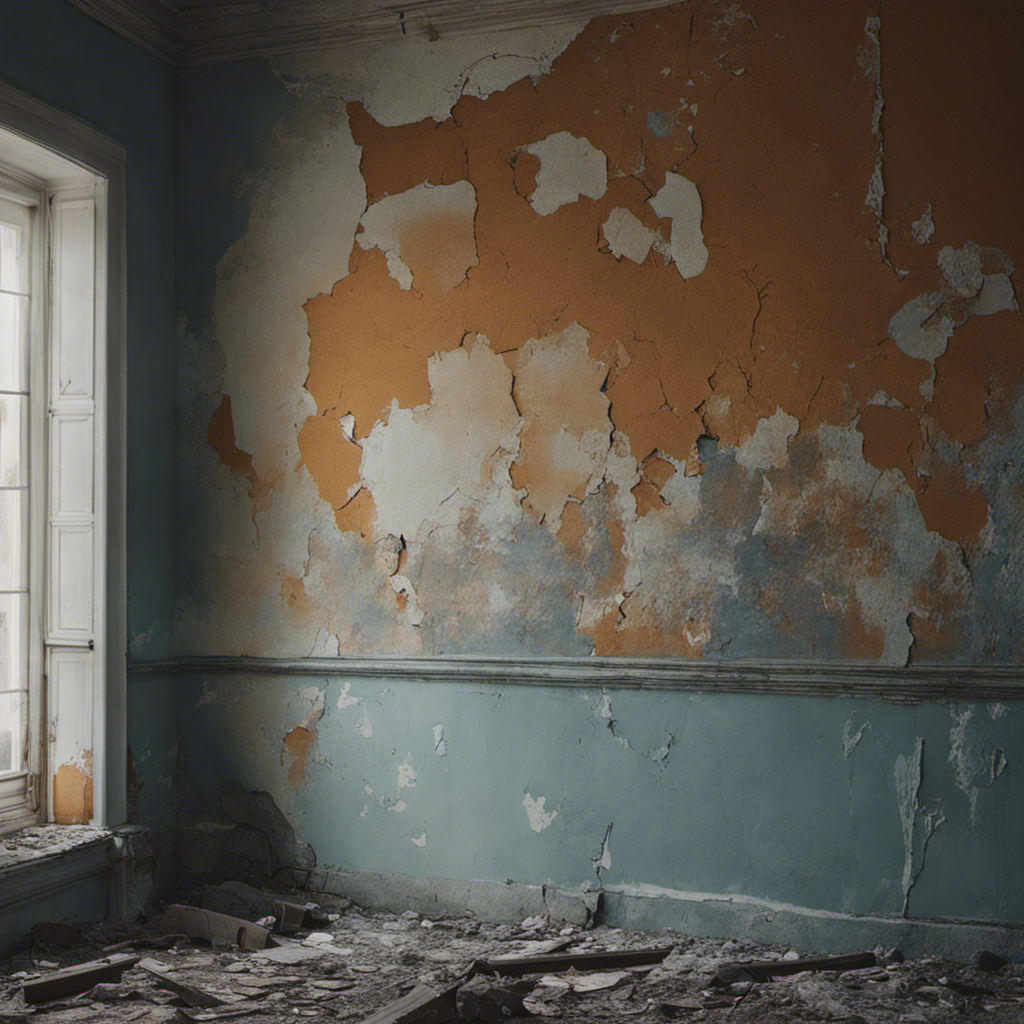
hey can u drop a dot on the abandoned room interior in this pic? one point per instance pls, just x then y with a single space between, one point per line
478 458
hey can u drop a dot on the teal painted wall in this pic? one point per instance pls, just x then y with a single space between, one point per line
844 805
778 478
53 51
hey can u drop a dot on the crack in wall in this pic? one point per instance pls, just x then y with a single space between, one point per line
908 777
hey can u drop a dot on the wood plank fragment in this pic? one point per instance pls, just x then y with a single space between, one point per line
219 929
194 995
423 1005
72 980
765 970
513 967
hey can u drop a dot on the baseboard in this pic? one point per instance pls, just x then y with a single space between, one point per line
716 915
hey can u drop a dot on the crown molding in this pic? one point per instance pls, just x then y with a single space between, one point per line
186 33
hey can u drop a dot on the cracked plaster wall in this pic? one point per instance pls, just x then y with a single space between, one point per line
688 333
654 335
634 792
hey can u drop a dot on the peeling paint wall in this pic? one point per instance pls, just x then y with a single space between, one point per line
657 338
838 806
692 333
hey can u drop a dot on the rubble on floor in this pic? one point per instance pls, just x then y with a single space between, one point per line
342 963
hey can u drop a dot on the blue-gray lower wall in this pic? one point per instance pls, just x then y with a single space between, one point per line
831 805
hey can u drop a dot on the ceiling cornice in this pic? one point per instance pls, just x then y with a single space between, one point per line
187 33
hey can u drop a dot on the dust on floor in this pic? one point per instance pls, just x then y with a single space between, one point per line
354 962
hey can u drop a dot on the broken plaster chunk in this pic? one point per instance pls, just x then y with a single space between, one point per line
409 227
627 235
916 329
569 168
962 269
679 200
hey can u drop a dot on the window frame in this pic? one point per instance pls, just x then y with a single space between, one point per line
19 790
102 160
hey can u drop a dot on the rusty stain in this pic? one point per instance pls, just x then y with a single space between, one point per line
297 742
220 435
72 793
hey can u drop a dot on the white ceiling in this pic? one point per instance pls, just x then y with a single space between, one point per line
190 32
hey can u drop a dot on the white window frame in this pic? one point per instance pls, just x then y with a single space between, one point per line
87 712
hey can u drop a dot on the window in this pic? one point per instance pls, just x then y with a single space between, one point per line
62 600
17 763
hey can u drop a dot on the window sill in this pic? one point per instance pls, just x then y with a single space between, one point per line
71 871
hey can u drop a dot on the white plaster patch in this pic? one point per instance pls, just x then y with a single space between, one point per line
425 465
474 64
440 745
345 698
406 774
401 585
917 330
569 168
768 448
996 710
566 430
420 840
850 738
300 231
627 235
998 765
539 818
996 296
679 200
398 806
966 761
907 774
364 728
924 227
409 217
962 269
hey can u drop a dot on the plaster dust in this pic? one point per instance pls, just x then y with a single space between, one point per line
515 196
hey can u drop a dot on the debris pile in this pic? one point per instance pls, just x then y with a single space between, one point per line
234 952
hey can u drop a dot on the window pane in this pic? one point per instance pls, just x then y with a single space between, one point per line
13 440
12 263
13 641
13 540
13 712
13 343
